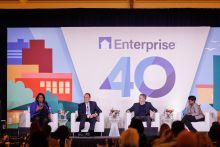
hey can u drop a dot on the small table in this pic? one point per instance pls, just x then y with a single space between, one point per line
114 131
62 118
62 122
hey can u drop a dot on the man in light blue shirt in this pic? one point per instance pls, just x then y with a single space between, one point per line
88 111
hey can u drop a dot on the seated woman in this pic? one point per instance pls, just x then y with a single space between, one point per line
40 110
192 113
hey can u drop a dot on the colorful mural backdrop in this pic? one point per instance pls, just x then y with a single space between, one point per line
114 64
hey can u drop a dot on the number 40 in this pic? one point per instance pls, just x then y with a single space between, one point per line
126 85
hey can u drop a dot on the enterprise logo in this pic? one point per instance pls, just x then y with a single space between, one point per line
109 43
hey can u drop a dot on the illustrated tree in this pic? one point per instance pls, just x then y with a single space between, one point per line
53 102
18 95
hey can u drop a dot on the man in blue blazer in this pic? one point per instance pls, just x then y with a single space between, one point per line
88 111
142 109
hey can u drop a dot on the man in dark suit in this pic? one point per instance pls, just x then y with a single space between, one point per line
142 109
88 111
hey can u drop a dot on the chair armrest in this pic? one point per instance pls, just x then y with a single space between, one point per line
101 117
101 122
73 122
24 119
128 116
54 117
157 117
73 118
54 122
178 116
207 117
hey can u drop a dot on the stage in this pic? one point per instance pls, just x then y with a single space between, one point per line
16 137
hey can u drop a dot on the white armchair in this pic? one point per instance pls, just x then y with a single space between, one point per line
24 120
54 122
154 123
99 125
210 116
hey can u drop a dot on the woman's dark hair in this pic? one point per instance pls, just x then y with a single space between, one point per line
192 98
38 95
47 130
137 124
61 133
214 132
163 128
35 127
177 127
38 139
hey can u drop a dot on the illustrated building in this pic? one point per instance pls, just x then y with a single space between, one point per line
59 84
14 51
38 54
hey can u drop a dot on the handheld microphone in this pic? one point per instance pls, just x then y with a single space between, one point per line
41 105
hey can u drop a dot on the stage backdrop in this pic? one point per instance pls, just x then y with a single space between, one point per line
114 64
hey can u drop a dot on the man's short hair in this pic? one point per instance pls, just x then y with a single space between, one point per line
144 95
88 94
177 127
192 98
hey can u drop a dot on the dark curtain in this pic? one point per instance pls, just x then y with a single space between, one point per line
95 17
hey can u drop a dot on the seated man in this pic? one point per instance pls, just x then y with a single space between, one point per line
88 111
192 113
142 109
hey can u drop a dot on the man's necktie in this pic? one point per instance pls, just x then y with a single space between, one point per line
87 109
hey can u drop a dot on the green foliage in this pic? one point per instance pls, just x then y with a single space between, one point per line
18 95
52 100
60 106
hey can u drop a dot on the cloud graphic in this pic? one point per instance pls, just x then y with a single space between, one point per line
215 41
210 49
18 95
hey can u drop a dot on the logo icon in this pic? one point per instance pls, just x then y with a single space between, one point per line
105 42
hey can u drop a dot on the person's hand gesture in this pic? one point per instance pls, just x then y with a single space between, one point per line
39 108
